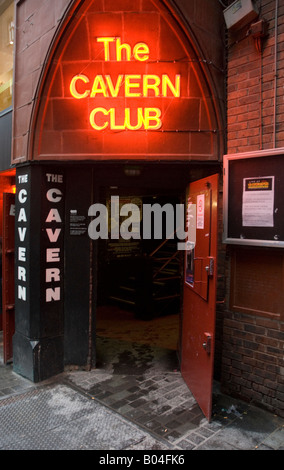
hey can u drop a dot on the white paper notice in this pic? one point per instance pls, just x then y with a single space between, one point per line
258 202
200 211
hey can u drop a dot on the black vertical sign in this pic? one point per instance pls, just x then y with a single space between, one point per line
38 342
22 251
52 252
27 265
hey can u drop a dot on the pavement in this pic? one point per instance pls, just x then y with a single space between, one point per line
132 402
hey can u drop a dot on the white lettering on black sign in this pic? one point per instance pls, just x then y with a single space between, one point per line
22 231
53 230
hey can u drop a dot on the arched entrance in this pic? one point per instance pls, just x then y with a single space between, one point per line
123 86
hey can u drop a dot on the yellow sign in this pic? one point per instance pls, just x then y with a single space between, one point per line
127 86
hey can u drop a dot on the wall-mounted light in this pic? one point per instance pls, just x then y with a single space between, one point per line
11 33
240 13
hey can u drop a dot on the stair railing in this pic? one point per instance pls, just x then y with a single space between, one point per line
168 260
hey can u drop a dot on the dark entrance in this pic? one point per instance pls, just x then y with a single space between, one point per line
142 275
140 282
139 288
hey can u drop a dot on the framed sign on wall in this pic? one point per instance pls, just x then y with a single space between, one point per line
253 198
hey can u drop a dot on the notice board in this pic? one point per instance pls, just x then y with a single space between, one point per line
254 198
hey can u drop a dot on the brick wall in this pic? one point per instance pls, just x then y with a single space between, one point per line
252 344
36 23
252 88
253 360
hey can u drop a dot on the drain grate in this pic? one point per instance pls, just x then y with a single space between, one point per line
59 418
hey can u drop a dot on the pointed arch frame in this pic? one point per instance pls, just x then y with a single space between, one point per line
169 8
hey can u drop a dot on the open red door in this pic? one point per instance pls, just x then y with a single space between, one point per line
8 289
200 282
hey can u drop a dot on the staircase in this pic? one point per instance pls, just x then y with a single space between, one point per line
133 287
149 285
166 262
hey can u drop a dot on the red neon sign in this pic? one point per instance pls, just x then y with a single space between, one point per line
127 86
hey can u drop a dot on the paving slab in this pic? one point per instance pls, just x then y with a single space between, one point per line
119 408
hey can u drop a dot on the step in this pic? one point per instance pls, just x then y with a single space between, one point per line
165 279
126 288
167 269
119 299
164 260
174 296
165 274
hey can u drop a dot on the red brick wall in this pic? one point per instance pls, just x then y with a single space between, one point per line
253 360
252 344
251 86
36 23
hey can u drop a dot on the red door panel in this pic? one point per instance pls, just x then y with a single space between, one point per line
198 326
202 200
8 290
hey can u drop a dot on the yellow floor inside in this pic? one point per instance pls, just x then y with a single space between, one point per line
114 322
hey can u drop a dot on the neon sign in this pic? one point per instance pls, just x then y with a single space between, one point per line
127 86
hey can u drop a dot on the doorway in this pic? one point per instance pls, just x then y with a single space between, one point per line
135 334
139 286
